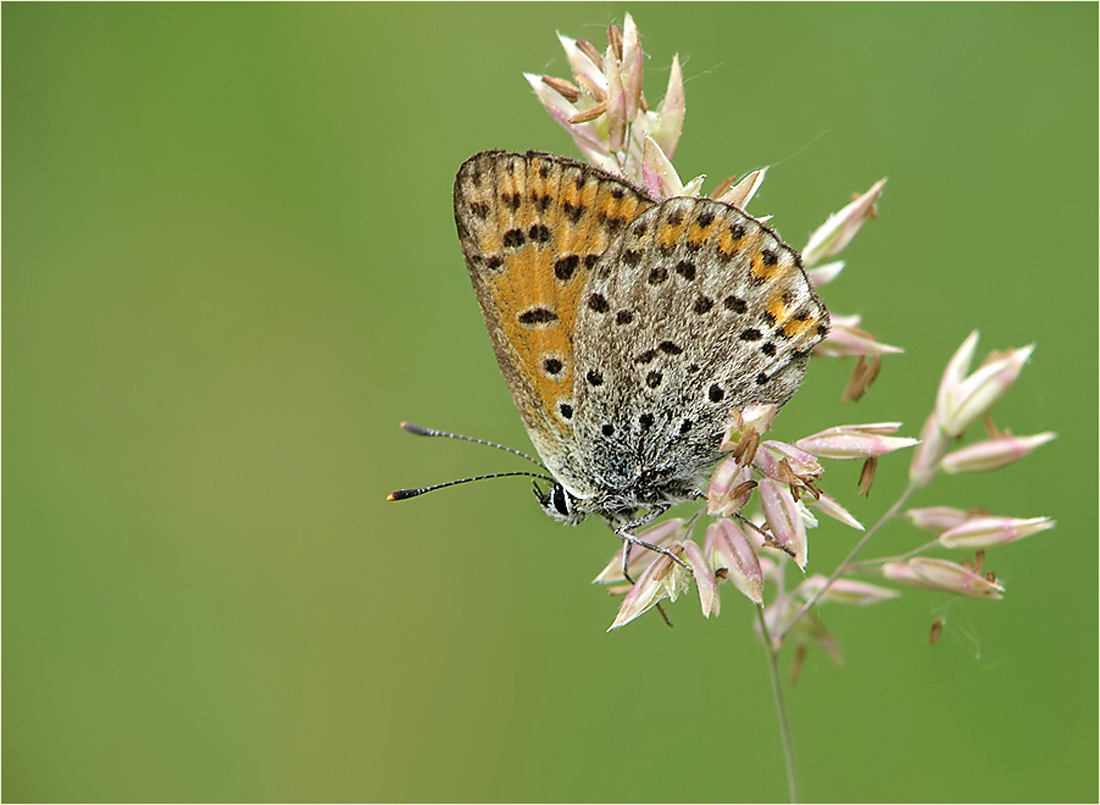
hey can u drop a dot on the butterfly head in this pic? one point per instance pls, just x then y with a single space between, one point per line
560 504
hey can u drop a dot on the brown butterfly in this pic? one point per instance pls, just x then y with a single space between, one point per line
627 328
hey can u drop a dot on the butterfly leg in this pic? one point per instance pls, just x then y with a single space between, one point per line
624 534
629 540
769 540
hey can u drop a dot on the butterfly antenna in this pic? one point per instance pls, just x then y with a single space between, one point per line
404 494
422 431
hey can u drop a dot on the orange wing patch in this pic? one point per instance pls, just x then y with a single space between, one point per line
532 226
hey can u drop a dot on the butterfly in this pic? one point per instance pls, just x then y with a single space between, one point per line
626 327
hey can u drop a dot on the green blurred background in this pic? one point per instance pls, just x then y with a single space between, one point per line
230 270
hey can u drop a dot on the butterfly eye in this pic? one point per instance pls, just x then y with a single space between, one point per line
557 497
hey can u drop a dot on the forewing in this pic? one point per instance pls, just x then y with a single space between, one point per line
532 226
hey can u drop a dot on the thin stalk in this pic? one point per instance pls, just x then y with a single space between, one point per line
780 708
889 515
899 558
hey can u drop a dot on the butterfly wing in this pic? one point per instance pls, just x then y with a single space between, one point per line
532 226
695 310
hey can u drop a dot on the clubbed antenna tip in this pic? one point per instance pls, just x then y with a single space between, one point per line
404 494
